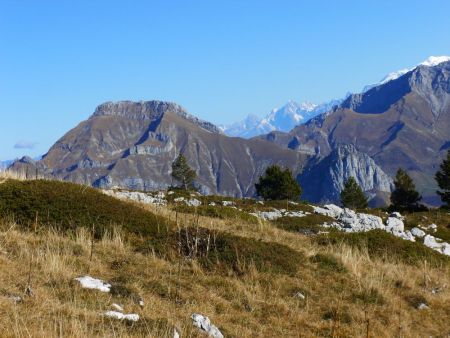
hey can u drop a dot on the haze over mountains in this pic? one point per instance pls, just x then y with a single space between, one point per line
403 122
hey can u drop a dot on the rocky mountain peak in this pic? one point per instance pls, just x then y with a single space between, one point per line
149 110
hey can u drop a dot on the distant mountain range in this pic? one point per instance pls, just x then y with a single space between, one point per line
293 114
403 122
283 119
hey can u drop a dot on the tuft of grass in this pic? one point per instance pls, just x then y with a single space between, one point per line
381 245
328 262
369 296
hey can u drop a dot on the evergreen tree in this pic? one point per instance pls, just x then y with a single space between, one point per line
182 173
352 195
278 184
443 180
404 196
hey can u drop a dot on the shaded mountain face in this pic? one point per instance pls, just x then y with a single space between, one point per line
402 123
133 145
323 179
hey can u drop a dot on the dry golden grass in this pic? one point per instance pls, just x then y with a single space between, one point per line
368 297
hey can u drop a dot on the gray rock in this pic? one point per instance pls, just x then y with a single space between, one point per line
203 323
418 232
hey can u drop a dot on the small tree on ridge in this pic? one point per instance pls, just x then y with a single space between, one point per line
278 184
443 180
404 196
182 173
352 195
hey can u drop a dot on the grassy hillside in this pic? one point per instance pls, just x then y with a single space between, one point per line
246 275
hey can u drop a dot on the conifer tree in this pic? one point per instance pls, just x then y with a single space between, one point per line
404 197
182 173
443 180
278 184
352 195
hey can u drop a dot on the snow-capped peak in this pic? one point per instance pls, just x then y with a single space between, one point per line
430 62
434 61
394 75
283 119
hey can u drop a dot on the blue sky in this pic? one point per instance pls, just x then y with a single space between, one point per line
219 59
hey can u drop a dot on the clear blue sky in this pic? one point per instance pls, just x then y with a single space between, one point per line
219 59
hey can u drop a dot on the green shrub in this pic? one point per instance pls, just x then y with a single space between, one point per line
328 262
222 251
67 206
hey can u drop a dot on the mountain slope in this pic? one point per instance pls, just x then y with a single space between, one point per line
133 144
402 123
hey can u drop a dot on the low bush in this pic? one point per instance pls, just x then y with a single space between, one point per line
220 251
67 206
328 263
310 224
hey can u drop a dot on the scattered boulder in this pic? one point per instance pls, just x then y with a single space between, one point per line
394 225
359 222
203 323
397 215
299 295
88 282
193 202
329 210
432 227
422 306
117 307
138 196
416 232
437 244
119 315
227 203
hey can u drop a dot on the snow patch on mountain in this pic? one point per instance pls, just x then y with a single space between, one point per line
430 62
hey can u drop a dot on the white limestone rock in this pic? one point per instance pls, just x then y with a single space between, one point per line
193 202
330 210
397 215
437 244
418 232
394 225
87 282
203 323
119 315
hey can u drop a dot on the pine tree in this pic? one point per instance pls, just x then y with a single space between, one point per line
443 180
404 196
352 195
182 173
278 184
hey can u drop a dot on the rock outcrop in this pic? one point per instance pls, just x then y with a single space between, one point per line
323 181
